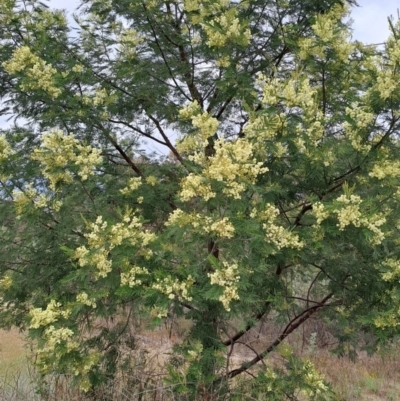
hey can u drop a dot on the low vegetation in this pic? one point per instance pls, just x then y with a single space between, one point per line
366 378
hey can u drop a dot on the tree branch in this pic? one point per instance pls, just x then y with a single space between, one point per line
291 326
258 317
122 152
166 139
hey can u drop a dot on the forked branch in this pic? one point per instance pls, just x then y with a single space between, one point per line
291 326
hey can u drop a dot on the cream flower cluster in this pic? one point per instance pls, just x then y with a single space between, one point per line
206 127
149 3
192 5
313 379
319 212
23 198
373 224
40 73
383 169
223 62
315 131
391 316
328 35
6 283
84 299
59 342
30 195
50 356
281 237
158 312
294 92
226 277
102 239
98 97
233 164
57 151
195 353
51 314
78 68
393 269
59 336
226 28
152 180
262 127
6 12
385 68
221 227
297 91
129 40
351 214
195 185
356 140
362 119
393 45
205 8
386 83
174 288
133 184
362 116
271 88
130 278
275 234
268 213
49 19
83 368
5 149
324 27
223 24
387 320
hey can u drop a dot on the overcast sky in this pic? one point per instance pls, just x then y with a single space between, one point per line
370 19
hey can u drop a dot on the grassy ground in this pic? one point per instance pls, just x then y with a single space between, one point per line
375 378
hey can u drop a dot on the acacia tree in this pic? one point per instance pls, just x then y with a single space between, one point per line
278 198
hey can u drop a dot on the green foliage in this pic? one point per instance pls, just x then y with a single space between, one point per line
276 193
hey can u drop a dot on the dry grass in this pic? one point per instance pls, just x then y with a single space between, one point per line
13 352
15 373
370 378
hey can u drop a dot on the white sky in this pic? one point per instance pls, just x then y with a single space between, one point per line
370 23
